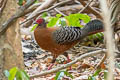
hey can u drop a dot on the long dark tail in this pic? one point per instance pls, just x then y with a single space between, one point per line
93 27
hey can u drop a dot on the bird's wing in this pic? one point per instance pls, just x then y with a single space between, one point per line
66 34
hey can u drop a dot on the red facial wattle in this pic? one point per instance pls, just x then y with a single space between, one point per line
39 21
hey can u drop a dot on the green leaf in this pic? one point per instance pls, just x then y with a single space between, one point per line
62 23
36 1
6 72
44 14
18 76
74 19
26 75
96 36
83 17
100 36
34 27
105 74
61 74
58 15
13 72
20 2
52 21
68 74
97 72
57 75
22 75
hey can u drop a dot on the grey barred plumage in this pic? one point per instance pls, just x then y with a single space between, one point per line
70 34
67 34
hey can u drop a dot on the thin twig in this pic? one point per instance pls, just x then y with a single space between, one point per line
85 7
59 12
92 10
101 62
102 51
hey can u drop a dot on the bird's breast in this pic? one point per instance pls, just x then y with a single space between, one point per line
45 40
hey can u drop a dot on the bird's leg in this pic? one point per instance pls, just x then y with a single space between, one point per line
68 59
53 61
66 55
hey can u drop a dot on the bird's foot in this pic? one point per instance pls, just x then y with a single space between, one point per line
69 60
50 66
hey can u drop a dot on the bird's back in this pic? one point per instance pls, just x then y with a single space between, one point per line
66 35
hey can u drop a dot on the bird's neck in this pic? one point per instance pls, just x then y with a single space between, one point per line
42 26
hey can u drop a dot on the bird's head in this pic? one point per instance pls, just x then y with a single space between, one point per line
41 23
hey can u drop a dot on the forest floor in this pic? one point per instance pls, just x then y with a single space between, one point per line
37 60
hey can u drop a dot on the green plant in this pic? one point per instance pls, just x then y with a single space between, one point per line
44 15
61 74
53 20
20 2
93 77
97 36
16 74
73 20
34 27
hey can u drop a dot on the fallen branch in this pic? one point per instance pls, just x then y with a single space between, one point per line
102 51
18 14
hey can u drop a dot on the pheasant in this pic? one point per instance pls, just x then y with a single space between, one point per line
57 40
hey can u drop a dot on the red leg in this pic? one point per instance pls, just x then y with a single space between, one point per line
53 61
50 66
68 59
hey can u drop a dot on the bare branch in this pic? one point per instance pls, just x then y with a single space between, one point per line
45 5
102 51
18 14
59 12
85 7
32 8
38 13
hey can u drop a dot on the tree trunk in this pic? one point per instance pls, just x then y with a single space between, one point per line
10 43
